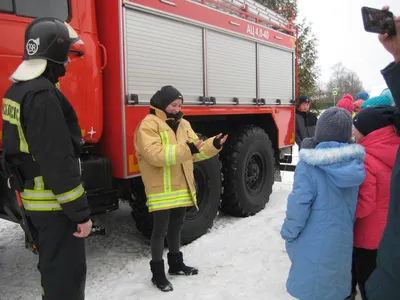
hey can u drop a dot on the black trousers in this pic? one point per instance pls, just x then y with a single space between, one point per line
353 275
167 223
62 258
365 263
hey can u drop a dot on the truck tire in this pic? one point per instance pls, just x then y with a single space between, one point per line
208 185
248 170
208 181
8 202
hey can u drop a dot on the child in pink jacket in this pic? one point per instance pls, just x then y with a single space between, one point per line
373 129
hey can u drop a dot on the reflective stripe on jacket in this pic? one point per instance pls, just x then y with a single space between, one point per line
166 162
41 199
41 126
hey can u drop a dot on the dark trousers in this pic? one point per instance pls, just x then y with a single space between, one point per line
353 276
365 263
167 223
62 258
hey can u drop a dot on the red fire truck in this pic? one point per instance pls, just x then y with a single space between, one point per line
234 61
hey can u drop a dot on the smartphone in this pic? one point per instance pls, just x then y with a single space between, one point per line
378 21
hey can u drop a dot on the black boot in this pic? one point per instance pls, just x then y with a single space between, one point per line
177 267
352 296
159 279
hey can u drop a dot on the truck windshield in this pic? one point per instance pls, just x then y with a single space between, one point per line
37 8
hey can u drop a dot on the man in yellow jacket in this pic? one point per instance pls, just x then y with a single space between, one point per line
166 147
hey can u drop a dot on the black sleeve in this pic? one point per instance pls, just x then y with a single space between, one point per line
391 74
50 144
298 136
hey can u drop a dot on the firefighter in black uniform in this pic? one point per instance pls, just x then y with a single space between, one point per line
42 142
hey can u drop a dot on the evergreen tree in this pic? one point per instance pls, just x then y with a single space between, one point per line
307 41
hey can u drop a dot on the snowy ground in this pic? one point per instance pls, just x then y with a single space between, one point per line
238 259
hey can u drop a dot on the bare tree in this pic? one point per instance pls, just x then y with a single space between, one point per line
347 81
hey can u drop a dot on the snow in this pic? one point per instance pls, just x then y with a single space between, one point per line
239 258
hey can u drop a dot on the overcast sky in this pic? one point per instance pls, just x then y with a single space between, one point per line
339 28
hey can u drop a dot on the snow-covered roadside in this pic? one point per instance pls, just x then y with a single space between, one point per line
238 259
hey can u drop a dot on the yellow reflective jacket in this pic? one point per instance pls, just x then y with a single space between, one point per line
166 162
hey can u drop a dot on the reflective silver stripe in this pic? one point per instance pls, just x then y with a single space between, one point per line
74 194
34 206
170 161
168 195
167 175
164 137
167 169
39 185
201 155
171 203
33 195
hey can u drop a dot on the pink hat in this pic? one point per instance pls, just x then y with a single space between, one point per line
357 104
346 103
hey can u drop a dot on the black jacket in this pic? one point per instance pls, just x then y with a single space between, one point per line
40 125
305 126
384 283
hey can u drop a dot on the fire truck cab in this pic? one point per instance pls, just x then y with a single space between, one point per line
233 60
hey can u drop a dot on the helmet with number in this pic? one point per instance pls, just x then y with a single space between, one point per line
46 39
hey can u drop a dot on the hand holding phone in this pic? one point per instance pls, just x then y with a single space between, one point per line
378 21
392 43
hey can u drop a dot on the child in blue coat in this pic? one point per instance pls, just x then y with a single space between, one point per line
318 228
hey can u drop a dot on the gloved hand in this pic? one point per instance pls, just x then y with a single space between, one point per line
219 140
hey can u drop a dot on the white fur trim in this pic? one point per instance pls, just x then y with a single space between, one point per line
327 156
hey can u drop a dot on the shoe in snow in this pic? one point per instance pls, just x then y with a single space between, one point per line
163 286
159 279
177 267
352 296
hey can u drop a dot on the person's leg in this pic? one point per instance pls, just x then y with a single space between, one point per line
177 218
62 258
160 227
353 294
353 278
365 261
175 257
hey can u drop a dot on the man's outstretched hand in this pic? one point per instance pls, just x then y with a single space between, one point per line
392 43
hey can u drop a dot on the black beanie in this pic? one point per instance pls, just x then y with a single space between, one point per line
373 118
165 96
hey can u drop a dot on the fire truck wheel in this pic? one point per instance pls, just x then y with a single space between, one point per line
248 169
208 189
207 176
8 201
140 213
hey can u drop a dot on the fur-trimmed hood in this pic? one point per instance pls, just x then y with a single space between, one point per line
342 162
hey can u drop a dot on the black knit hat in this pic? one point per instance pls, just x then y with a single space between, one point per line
373 118
165 96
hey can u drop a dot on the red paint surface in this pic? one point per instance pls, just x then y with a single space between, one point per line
82 84
213 17
283 116
111 143
100 95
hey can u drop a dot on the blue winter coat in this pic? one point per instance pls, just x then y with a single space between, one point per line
318 228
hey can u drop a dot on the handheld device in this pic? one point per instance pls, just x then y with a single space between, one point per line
378 21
